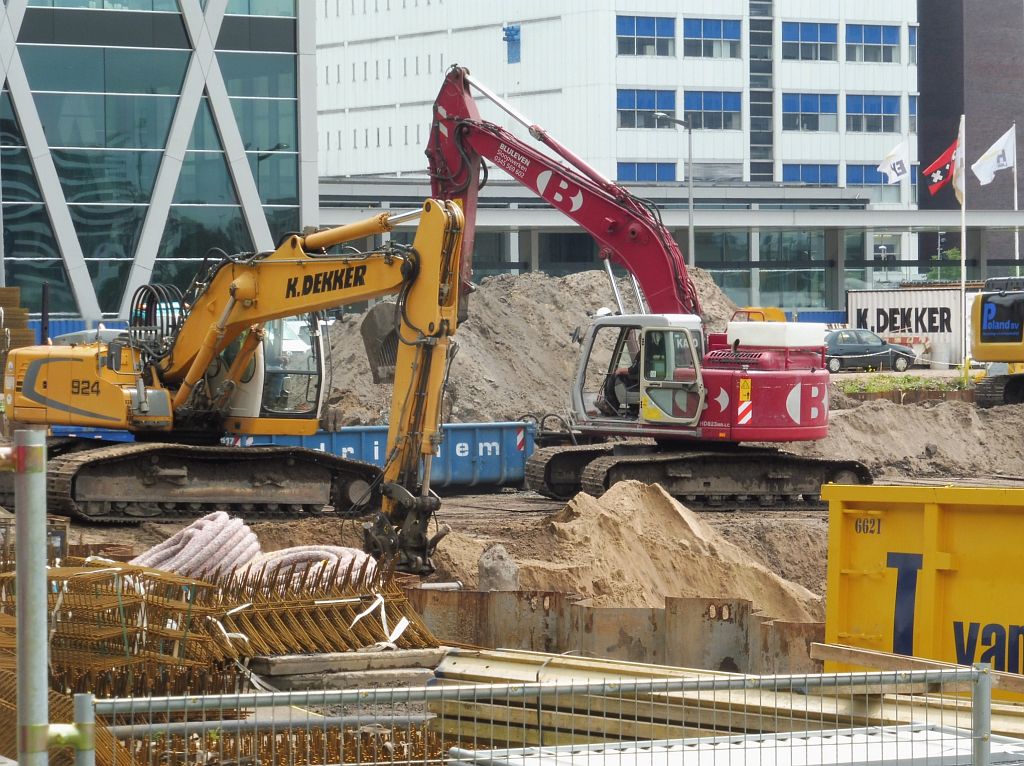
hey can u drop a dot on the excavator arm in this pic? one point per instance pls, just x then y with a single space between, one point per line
629 230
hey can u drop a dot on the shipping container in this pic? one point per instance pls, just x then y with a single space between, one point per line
932 572
928 319
470 454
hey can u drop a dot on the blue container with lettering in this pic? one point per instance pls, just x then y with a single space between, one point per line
470 454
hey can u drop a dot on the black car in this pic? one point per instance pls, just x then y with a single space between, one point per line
861 348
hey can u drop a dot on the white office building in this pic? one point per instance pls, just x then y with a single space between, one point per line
792 103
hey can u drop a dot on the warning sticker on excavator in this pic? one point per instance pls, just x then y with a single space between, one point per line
744 389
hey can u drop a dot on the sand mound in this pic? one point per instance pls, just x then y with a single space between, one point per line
633 547
515 357
931 439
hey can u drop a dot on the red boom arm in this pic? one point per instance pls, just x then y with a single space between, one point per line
628 230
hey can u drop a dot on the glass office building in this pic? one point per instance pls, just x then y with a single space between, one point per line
136 135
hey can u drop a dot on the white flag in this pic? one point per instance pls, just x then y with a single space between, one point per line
1002 154
958 163
896 164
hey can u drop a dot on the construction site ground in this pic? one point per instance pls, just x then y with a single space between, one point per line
633 547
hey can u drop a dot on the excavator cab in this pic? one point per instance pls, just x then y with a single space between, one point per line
283 378
638 369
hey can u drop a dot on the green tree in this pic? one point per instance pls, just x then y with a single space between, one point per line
946 273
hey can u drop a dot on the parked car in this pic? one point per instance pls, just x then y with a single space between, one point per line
861 348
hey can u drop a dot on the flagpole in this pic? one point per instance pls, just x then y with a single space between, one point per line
963 241
1016 228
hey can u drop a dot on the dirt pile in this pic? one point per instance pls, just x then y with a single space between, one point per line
515 357
931 439
631 548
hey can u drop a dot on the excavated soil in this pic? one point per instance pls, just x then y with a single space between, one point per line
635 546
516 355
632 547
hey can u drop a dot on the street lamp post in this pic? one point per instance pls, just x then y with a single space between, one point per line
689 182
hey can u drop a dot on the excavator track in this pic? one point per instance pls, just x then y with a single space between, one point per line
555 471
703 479
991 391
714 480
132 483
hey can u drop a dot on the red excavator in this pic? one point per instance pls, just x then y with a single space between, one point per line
655 397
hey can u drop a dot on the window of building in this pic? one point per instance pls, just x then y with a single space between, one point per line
809 41
912 39
712 109
645 36
811 175
913 113
637 107
873 114
868 176
653 172
873 43
915 173
810 111
711 38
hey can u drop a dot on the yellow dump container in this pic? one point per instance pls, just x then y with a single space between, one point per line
936 572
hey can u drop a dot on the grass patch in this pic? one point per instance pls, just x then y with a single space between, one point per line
874 384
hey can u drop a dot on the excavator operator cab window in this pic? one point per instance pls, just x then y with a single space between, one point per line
672 388
291 375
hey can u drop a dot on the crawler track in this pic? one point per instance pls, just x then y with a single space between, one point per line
131 483
713 480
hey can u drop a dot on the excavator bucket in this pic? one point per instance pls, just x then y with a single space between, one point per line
380 339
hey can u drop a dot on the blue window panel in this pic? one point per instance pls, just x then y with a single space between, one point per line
828 33
665 27
872 104
855 175
855 104
692 101
829 103
646 171
829 174
808 102
666 171
854 33
731 30
625 99
891 35
731 102
713 100
872 176
872 34
665 100
625 25
627 171
790 103
645 99
692 28
890 104
809 33
790 32
712 29
912 33
809 174
790 173
913 106
645 26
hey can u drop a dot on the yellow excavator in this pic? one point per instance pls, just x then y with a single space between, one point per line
240 353
997 337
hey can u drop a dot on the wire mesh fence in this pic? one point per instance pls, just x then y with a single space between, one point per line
940 716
